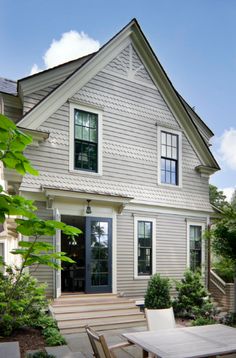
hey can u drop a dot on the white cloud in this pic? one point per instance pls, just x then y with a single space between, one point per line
70 46
227 149
228 193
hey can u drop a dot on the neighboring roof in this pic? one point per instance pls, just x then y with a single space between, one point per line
8 86
89 68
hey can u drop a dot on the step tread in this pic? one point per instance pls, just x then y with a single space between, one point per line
87 303
98 315
77 309
92 322
68 311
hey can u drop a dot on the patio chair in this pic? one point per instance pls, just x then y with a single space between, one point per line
160 318
99 344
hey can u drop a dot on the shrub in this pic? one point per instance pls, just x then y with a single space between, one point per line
53 337
192 297
40 355
202 321
22 300
158 293
229 319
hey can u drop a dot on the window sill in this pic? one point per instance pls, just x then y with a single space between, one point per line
142 277
170 186
82 172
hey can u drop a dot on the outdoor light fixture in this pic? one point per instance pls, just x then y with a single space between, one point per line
88 209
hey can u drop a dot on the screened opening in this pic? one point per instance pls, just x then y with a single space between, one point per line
144 248
195 233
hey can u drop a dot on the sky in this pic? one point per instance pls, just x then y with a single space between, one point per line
195 41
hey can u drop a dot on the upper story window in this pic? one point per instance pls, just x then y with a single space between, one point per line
170 157
85 139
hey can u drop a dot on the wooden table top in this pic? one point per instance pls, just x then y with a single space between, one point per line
187 342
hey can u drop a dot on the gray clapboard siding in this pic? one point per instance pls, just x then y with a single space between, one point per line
34 98
12 107
44 274
131 111
171 249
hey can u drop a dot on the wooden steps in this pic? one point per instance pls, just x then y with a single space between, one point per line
100 311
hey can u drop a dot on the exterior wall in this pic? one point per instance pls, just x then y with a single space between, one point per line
44 274
171 249
12 107
132 108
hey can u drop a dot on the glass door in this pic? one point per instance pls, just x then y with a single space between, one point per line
98 255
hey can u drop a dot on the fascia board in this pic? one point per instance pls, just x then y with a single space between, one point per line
76 81
179 111
48 77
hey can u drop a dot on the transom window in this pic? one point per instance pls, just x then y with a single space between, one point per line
85 140
169 158
195 245
145 234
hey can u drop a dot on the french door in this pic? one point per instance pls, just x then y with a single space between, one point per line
98 255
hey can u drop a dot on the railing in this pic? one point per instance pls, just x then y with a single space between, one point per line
222 292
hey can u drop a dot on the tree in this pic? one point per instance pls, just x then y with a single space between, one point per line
17 289
224 237
217 197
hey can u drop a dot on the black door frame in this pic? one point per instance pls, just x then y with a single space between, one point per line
88 287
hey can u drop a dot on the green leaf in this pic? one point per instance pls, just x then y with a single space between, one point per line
6 123
29 169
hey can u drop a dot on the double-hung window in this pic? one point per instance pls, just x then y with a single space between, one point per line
195 246
85 139
170 156
144 247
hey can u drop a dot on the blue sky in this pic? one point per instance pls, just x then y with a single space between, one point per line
193 39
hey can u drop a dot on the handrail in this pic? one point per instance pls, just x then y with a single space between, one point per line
218 278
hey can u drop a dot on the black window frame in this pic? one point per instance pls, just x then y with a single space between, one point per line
83 142
169 158
144 247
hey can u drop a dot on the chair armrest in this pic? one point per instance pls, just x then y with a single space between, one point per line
120 345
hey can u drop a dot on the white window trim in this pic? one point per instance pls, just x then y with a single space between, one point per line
74 106
179 134
136 219
203 226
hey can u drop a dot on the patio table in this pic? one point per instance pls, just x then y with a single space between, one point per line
187 342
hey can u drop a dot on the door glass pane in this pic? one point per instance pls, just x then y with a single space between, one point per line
99 253
2 249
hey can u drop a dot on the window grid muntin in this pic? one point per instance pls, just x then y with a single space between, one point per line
85 159
195 246
144 248
169 158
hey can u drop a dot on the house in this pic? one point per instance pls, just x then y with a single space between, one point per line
122 156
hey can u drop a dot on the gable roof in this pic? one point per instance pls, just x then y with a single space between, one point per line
89 68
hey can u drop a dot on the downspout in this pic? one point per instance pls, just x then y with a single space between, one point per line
208 252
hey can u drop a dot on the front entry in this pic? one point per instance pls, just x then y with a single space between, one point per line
98 255
92 253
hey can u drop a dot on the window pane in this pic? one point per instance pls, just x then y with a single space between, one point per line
78 132
141 229
78 117
168 163
163 176
195 238
163 138
168 136
168 152
148 229
93 135
174 141
2 249
93 121
174 153
86 133
173 178
167 177
85 119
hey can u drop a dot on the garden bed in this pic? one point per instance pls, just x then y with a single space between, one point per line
28 338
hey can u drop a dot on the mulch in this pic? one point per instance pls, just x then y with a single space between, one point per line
29 339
